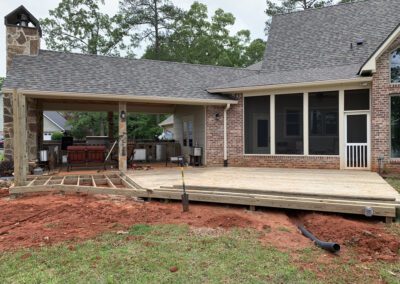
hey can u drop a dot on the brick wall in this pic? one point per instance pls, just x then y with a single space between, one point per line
382 89
236 158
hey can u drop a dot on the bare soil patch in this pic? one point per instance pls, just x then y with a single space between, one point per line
368 239
50 219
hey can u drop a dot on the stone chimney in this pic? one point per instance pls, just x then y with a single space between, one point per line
23 34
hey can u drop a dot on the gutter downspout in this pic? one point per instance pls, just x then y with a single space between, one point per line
228 106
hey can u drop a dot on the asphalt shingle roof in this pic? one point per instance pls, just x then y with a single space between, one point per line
57 118
321 44
79 73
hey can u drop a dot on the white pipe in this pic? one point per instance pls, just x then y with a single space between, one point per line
228 106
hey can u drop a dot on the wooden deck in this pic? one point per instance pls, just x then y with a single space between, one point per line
318 190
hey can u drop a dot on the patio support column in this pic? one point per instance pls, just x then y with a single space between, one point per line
228 106
110 117
123 139
305 125
20 138
341 130
272 126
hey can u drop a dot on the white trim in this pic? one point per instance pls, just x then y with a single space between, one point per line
291 85
272 124
305 125
368 144
119 97
370 65
205 137
342 138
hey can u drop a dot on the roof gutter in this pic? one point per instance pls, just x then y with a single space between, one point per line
291 85
118 97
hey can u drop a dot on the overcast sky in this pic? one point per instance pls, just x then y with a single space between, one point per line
248 16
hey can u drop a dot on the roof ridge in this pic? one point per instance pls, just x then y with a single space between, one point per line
149 60
322 8
266 71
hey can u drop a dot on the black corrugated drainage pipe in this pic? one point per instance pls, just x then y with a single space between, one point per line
331 247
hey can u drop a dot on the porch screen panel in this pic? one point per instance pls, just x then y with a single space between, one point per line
324 123
356 100
289 124
395 126
257 125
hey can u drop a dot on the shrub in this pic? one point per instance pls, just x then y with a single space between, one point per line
56 136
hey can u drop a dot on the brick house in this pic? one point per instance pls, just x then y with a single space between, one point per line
326 96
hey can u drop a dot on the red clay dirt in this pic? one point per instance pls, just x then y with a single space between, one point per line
368 239
50 219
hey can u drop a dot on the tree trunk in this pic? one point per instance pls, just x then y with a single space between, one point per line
156 30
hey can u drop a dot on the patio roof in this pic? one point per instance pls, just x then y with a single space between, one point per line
63 73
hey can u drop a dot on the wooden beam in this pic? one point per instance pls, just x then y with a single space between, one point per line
81 105
123 137
110 118
110 183
20 138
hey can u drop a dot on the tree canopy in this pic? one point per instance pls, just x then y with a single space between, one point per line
78 25
196 39
154 18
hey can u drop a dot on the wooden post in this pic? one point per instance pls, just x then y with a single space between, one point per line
39 120
20 139
110 116
123 139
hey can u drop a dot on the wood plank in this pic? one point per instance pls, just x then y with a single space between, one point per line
124 182
32 182
20 138
277 192
110 183
288 198
387 210
94 182
47 181
123 138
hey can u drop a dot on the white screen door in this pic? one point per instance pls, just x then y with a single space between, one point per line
357 141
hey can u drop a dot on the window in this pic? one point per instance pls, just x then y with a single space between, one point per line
395 66
324 123
289 124
395 126
256 120
188 133
356 100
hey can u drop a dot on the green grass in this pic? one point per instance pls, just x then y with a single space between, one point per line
395 182
146 255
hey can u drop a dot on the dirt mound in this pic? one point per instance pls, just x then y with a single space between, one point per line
370 240
3 192
229 221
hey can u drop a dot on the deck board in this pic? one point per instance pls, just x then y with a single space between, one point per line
352 184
